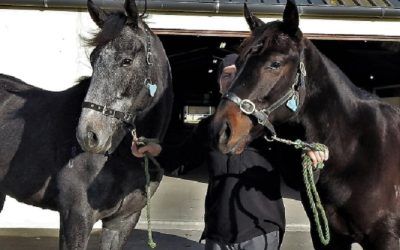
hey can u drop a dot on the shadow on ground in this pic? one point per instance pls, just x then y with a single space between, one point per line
166 240
137 241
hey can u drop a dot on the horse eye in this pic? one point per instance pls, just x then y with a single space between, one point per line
126 62
274 65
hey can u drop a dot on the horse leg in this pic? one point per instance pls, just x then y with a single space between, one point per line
75 228
382 237
116 230
382 242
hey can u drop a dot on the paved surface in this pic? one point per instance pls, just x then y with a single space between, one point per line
166 240
177 215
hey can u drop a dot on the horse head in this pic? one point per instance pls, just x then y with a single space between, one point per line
126 62
268 86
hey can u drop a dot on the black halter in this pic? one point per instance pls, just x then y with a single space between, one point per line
127 117
249 108
123 116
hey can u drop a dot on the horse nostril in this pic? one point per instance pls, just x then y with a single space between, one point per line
92 139
225 133
228 131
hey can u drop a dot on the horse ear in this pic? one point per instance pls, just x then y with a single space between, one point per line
251 19
131 10
291 17
98 15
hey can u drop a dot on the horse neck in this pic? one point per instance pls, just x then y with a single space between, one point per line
330 97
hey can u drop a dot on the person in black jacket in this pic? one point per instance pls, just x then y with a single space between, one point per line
243 207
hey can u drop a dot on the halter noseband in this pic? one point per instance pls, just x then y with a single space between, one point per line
127 117
123 116
292 95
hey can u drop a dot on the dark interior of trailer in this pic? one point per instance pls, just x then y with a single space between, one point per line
372 65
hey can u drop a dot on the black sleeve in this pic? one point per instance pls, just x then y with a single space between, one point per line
286 158
188 154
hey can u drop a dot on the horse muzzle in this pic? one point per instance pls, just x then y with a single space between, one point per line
96 133
231 128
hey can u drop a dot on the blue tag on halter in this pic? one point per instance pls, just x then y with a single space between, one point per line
152 89
293 103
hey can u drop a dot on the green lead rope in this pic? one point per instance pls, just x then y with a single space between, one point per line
150 241
315 202
143 141
311 190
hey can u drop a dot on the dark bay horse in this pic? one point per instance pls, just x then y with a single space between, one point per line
41 161
282 77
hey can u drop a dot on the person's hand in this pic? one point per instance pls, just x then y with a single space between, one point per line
152 149
318 156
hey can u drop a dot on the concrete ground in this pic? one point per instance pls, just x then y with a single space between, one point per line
177 218
165 239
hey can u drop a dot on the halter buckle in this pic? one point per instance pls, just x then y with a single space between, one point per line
247 106
134 135
104 111
127 117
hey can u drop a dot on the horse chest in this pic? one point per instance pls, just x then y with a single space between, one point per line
348 205
333 189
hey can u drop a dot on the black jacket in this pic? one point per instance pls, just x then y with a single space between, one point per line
243 198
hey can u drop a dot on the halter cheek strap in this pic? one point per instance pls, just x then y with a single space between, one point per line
291 98
152 87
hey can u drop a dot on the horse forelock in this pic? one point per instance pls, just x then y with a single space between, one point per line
112 28
271 36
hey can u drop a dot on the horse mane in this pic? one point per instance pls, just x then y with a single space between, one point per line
12 84
111 29
82 79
